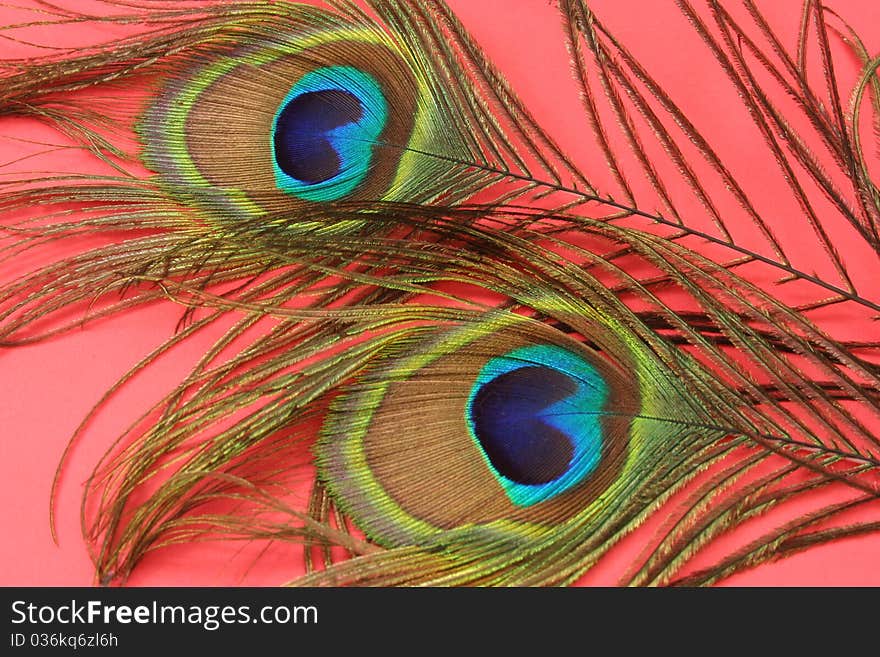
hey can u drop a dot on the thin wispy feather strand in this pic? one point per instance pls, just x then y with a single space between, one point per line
492 362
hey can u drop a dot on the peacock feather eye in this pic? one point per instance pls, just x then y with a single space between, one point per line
323 117
513 429
336 112
325 133
535 414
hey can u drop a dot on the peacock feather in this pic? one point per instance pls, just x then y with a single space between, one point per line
488 355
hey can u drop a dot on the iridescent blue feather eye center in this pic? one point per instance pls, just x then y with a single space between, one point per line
303 146
507 414
535 414
325 132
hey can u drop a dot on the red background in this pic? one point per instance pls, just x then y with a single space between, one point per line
46 389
